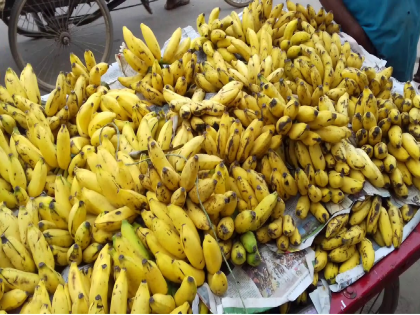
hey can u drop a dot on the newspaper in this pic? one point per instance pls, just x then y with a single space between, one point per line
278 279
347 278
412 199
370 190
321 298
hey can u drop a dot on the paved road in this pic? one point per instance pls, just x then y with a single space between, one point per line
163 24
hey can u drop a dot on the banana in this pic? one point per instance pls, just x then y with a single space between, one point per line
63 148
302 207
336 224
97 307
61 303
204 188
212 254
353 235
77 291
30 84
154 277
197 216
27 215
17 279
342 253
192 247
314 193
182 309
373 216
371 172
225 228
385 227
39 178
18 255
367 253
238 254
90 254
120 293
349 264
321 259
168 238
409 144
14 85
141 299
162 304
51 278
83 235
169 53
151 41
218 283
107 184
39 247
74 254
9 225
318 210
396 220
100 277
186 292
407 212
13 299
112 221
17 175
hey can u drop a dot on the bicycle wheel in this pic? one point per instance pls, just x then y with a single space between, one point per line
238 3
54 29
24 32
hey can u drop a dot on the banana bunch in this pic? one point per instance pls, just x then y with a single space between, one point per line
177 74
84 79
380 126
262 27
407 105
345 241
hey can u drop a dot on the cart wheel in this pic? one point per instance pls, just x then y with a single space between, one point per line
45 32
390 296
24 31
238 3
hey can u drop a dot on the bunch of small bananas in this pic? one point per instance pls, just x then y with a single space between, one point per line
345 241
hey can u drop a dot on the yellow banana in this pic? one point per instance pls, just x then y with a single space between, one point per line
218 283
212 254
39 178
141 299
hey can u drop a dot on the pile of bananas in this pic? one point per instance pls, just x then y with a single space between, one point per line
155 202
345 241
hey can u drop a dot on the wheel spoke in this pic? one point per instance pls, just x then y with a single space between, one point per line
86 15
82 42
69 12
81 28
45 59
370 309
76 43
42 48
88 34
